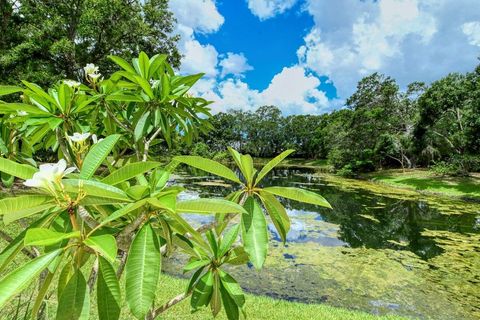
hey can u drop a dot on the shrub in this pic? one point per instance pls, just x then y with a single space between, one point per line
121 220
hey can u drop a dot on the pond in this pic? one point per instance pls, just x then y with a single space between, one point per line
378 250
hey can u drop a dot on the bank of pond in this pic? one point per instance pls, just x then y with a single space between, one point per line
381 250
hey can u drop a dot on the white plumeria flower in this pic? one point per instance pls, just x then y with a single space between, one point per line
49 174
90 68
72 83
154 83
94 76
79 137
95 139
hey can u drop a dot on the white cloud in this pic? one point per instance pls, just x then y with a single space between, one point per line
472 31
407 39
199 15
293 90
265 9
197 57
235 64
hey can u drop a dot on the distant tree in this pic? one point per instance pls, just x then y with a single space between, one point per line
264 135
45 40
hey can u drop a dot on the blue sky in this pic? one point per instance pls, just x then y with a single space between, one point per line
306 56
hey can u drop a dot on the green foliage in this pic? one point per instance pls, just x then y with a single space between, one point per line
104 207
65 37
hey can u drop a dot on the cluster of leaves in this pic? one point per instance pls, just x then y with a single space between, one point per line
44 40
115 208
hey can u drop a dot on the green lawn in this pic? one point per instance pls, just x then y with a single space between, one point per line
426 181
259 308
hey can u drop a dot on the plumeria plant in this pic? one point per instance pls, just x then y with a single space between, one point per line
106 210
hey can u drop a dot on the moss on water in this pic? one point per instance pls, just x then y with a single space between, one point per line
426 181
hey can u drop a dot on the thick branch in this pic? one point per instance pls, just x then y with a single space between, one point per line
114 117
169 304
87 218
149 141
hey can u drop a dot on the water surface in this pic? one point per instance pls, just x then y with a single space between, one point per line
377 251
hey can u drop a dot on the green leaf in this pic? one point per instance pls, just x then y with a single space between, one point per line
195 264
142 271
108 292
272 164
202 292
144 64
233 288
97 154
74 303
145 85
14 282
14 107
14 216
47 237
298 194
208 166
155 63
238 256
122 63
141 126
41 294
209 206
14 247
216 301
129 171
255 233
104 244
183 227
228 239
20 203
123 211
19 207
213 242
4 90
231 308
138 192
124 98
247 168
277 213
22 171
167 202
95 189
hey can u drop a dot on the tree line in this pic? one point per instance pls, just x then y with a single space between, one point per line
381 126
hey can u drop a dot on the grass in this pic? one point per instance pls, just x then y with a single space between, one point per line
258 307
426 181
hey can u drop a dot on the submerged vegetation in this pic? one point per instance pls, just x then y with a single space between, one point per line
382 249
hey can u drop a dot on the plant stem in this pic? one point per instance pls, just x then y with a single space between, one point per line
148 142
169 304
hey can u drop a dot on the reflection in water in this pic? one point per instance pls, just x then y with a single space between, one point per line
382 254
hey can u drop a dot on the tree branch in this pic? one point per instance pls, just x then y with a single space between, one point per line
169 304
149 141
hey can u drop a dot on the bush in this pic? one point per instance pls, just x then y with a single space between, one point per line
459 165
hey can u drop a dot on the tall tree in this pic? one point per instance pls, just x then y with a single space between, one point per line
45 40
